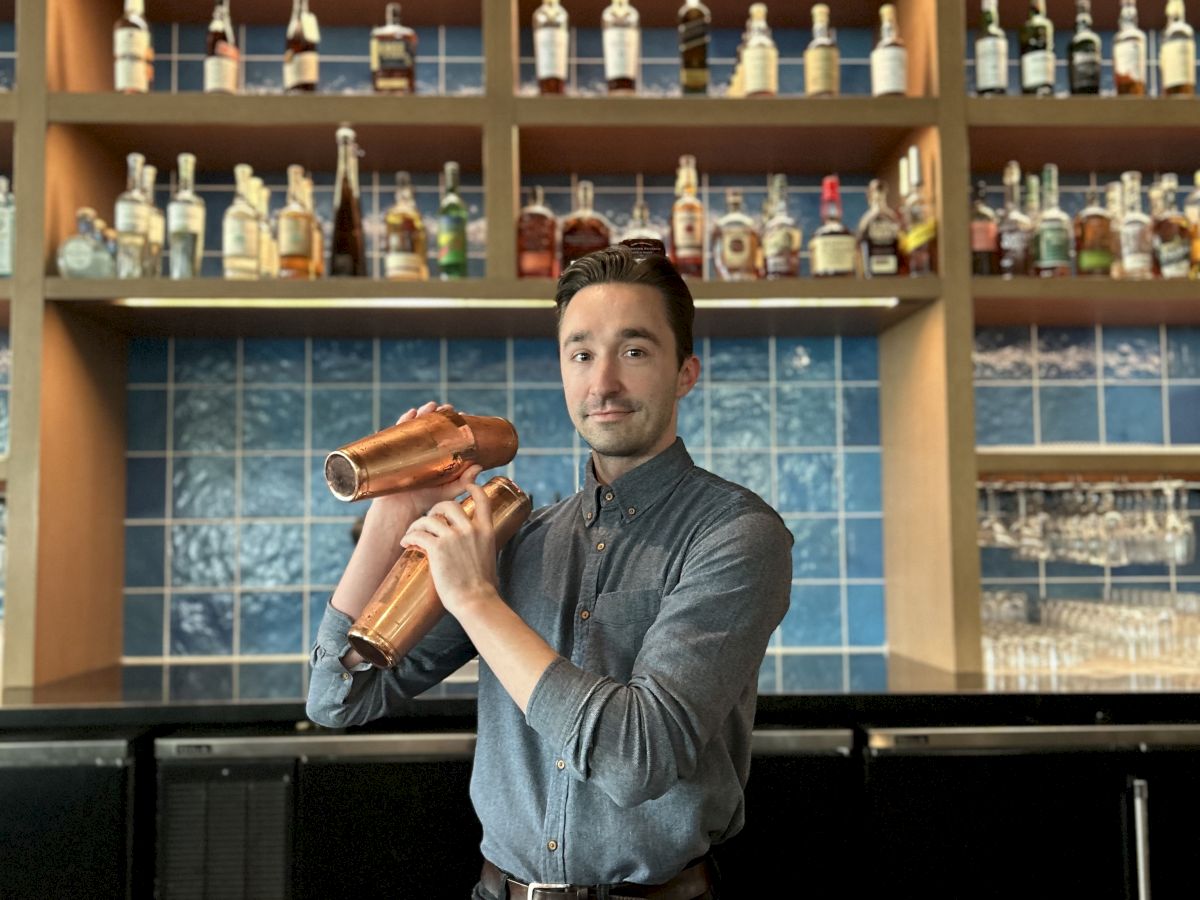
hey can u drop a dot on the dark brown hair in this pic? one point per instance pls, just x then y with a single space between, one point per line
620 265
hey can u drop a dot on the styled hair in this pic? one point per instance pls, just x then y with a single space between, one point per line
621 265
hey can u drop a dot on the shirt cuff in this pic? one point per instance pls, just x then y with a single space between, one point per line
332 644
558 699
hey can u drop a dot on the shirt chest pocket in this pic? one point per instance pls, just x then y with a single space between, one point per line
619 624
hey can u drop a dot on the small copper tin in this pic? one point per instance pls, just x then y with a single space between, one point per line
406 605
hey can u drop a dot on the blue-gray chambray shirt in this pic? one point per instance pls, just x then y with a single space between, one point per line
659 592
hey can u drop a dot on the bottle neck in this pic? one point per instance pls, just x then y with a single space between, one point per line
887 27
1133 197
1128 17
187 176
584 196
133 178
393 15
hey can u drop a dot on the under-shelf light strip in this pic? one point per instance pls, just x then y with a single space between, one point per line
480 303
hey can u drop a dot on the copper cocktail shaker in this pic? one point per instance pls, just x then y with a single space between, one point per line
431 449
406 606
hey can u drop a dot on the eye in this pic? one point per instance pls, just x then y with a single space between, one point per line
636 352
580 356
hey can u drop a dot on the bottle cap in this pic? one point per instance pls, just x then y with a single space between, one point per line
831 189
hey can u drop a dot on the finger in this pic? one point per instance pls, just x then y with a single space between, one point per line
483 505
468 477
446 407
427 408
453 515
411 414
432 524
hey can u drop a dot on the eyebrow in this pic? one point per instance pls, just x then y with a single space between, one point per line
579 337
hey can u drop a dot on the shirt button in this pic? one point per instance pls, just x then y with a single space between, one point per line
600 546
631 511
345 676
560 765
552 846
585 615
608 496
588 517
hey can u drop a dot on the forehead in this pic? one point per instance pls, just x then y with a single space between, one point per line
602 309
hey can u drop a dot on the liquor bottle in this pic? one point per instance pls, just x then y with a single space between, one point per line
1137 240
1172 233
537 238
1177 53
268 249
1084 68
295 230
889 59
622 47
822 75
1016 230
760 57
393 55
1129 52
1033 209
131 50
301 56
920 225
687 221
452 228
878 235
695 23
221 55
640 228
83 254
7 233
185 223
239 230
551 34
347 254
1037 51
132 220
1114 198
583 230
156 226
1191 210
405 255
985 234
1054 234
831 247
318 230
735 241
991 53
782 237
1093 237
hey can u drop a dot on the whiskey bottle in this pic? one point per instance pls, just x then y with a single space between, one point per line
537 238
156 226
687 221
695 24
301 56
735 241
1084 68
889 59
991 53
1191 210
295 230
221 55
7 233
640 230
622 47
782 237
760 57
452 228
318 230
831 247
347 253
822 74
1093 237
584 230
551 35
185 223
1114 199
878 235
84 254
268 249
1172 233
405 254
1129 52
1177 53
239 231
1016 230
919 244
132 220
1137 241
985 234
131 50
1053 235
1037 51
393 55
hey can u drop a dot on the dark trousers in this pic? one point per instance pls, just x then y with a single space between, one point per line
714 891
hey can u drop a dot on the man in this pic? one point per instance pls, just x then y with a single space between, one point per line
620 633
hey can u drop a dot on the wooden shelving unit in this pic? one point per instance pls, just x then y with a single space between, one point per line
1133 461
1084 301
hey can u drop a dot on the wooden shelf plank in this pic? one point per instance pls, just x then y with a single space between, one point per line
1088 460
1083 301
1111 113
360 13
4 471
8 107
1062 14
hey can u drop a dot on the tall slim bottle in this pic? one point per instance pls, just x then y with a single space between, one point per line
760 57
1172 233
1114 198
1093 237
301 56
131 50
295 230
268 248
1177 53
1016 230
687 221
622 47
239 230
221 57
822 61
782 237
920 225
878 235
347 252
695 23
551 35
889 59
1037 51
132 220
985 235
1084 62
1137 240
318 230
991 53
1129 52
452 228
1191 210
156 228
7 223
405 256
1054 234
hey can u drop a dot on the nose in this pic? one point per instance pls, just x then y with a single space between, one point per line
606 381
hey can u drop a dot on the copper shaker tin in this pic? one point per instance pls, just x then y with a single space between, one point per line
406 605
431 449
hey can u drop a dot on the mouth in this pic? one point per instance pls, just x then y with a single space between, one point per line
609 415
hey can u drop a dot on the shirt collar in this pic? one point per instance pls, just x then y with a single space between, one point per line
639 489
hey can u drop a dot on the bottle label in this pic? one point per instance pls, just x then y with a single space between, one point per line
239 238
781 247
1136 264
737 249
882 263
1085 71
693 34
1174 258
889 70
75 257
687 226
402 266
390 55
621 53
991 64
295 236
1037 69
6 241
1053 245
821 74
1095 261
1129 59
158 228
301 68
221 72
1178 60
452 241
761 66
832 254
131 42
920 235
551 52
983 237
131 75
132 217
185 218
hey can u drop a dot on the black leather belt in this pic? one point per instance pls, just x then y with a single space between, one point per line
692 882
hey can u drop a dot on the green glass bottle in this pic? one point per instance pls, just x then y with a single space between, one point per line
452 228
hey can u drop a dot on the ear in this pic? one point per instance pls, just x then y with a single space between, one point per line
689 374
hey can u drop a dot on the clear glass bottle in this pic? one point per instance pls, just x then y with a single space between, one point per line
1114 199
537 238
831 247
84 254
1172 233
687 221
1093 237
406 254
7 228
782 237
131 50
889 59
1191 211
991 53
132 221
347 249
640 227
1084 60
622 34
156 227
878 235
735 241
1177 53
1016 230
551 36
295 228
268 248
760 57
695 25
186 216
1137 239
301 55
239 230
584 230
393 55
1037 51
318 230
1054 232
985 234
452 228
221 56
822 62
1129 52
920 225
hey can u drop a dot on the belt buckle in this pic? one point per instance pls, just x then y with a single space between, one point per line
544 886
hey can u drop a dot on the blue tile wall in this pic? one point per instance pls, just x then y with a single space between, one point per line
234 543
